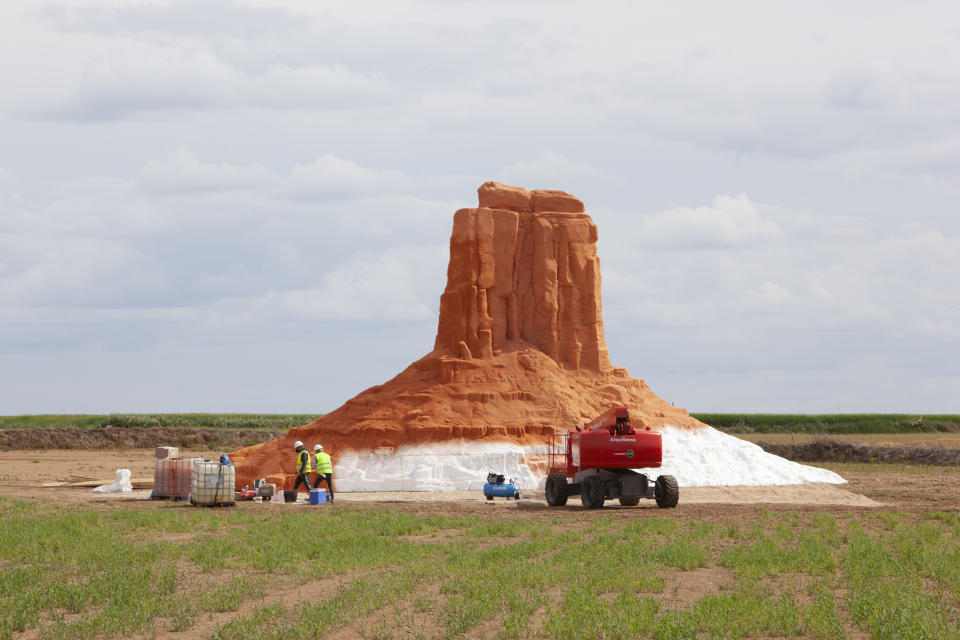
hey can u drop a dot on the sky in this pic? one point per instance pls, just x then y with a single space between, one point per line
220 206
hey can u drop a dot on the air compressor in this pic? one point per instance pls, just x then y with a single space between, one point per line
496 486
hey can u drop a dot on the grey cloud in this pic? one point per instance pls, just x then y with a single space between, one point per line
861 90
182 172
196 18
813 301
234 197
148 79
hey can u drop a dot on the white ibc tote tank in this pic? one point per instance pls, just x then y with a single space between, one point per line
213 483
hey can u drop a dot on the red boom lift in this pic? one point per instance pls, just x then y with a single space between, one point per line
601 458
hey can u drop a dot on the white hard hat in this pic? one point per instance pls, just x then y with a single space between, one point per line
318 447
297 444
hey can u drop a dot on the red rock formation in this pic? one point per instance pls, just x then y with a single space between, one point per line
519 352
524 268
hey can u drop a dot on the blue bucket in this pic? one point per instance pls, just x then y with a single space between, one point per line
318 496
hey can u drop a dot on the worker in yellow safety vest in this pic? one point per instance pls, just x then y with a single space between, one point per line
303 467
324 469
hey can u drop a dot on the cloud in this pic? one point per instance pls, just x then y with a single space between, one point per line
69 271
193 17
812 300
550 169
864 89
362 289
195 173
142 77
182 172
727 222
10 199
190 233
334 177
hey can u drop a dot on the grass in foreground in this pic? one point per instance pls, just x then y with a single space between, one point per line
247 573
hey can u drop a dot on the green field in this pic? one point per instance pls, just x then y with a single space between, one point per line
830 423
288 572
266 422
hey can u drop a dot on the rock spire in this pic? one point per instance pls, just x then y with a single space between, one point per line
524 269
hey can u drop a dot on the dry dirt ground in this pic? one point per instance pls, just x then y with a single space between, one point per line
23 473
941 440
909 489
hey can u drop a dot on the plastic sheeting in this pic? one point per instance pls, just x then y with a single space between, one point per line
121 483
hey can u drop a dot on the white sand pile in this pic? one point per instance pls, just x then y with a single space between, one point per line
711 458
696 457
445 466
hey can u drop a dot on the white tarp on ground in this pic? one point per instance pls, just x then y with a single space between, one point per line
120 483
696 457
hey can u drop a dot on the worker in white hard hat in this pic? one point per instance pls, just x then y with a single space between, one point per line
303 468
324 469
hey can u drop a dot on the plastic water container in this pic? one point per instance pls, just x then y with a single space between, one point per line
173 478
213 483
318 496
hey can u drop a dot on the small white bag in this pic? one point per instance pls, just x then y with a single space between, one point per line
121 483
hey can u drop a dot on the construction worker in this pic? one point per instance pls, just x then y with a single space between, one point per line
324 469
303 467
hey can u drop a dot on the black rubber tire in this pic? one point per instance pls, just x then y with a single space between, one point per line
489 497
630 502
667 492
593 492
556 490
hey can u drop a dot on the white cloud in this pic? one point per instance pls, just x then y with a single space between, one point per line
549 170
362 289
310 136
182 172
727 222
334 177
143 77
69 271
815 299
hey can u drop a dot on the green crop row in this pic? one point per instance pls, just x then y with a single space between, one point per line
830 423
265 422
154 568
731 422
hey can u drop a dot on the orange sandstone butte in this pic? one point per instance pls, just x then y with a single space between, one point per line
519 353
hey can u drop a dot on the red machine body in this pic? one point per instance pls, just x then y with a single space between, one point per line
610 442
600 458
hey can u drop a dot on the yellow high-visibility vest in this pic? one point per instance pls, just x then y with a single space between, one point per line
324 464
303 462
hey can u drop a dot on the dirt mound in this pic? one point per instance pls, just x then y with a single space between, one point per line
519 353
128 438
837 451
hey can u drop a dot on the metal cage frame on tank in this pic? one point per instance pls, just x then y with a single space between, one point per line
220 491
172 478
